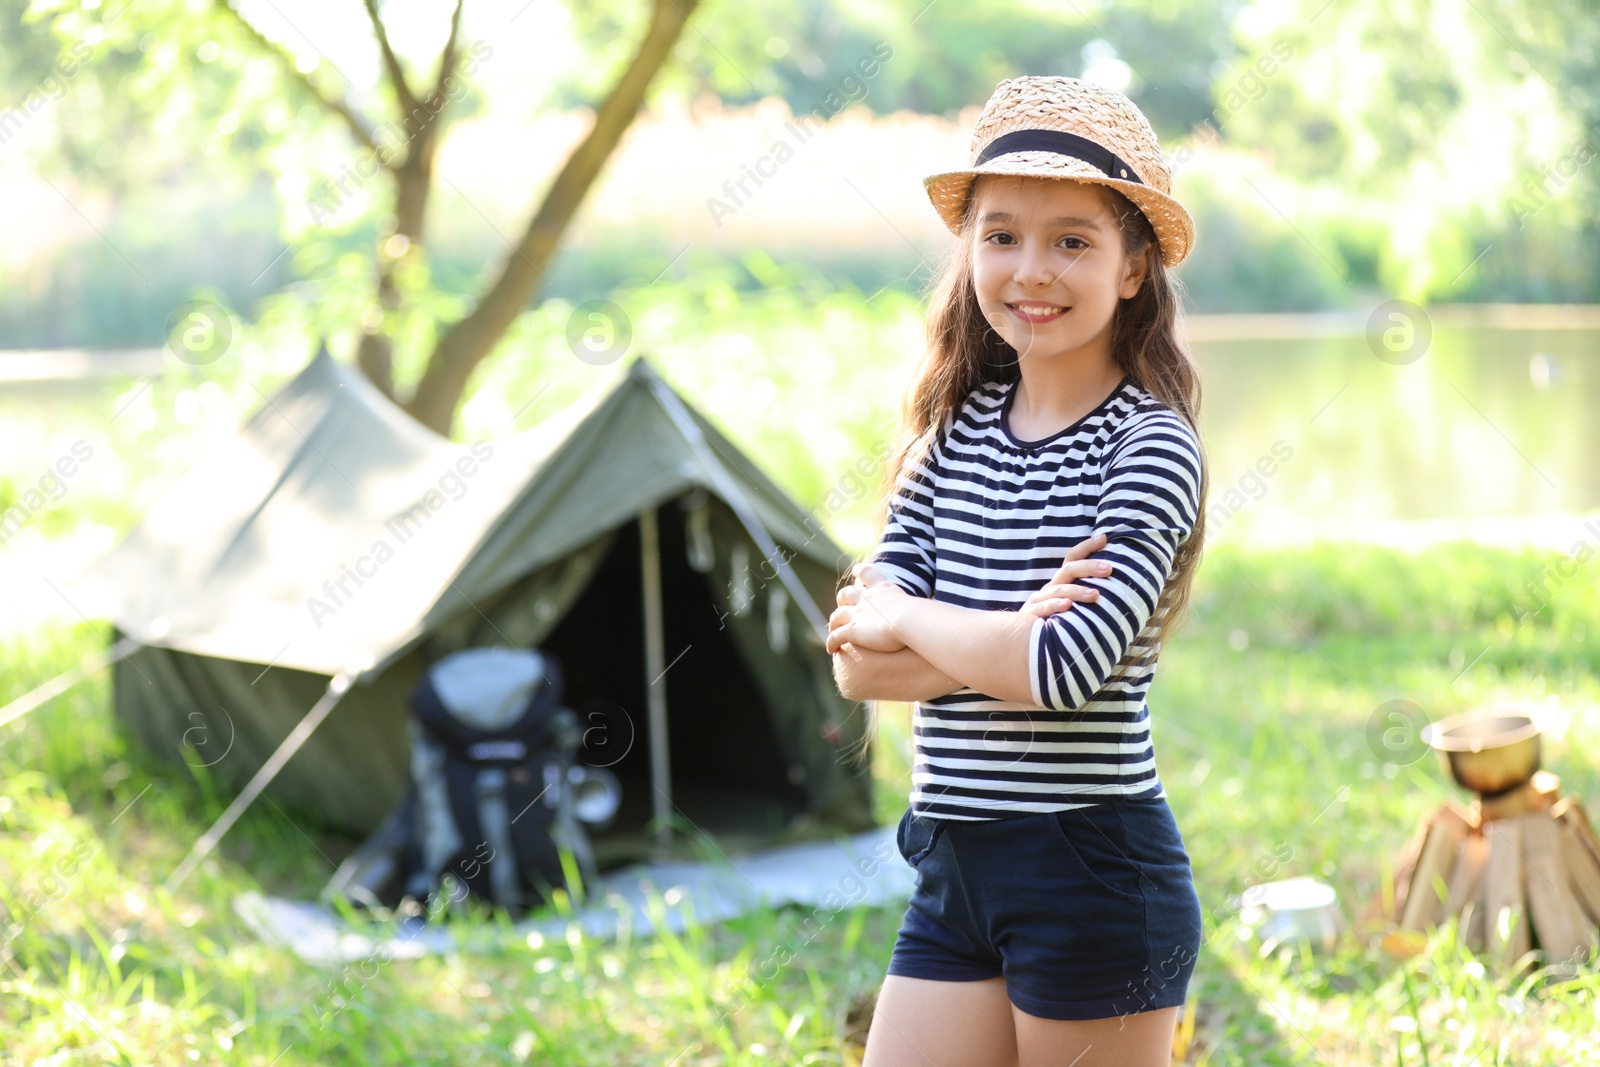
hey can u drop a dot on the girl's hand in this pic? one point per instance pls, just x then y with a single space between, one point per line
1058 594
862 617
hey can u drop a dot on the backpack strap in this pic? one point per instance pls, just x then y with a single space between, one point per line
535 797
471 861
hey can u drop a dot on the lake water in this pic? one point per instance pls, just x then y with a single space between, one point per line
1492 429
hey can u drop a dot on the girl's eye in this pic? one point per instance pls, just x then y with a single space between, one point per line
997 237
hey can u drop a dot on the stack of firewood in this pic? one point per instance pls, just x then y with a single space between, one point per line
1520 871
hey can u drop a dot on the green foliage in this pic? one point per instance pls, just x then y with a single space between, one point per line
116 288
197 148
818 363
1363 93
1537 610
162 85
940 57
1249 259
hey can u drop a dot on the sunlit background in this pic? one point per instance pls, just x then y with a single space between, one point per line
1334 157
1395 294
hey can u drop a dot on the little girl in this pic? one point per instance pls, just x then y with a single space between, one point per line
1047 516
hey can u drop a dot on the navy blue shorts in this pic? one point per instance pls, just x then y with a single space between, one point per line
1088 914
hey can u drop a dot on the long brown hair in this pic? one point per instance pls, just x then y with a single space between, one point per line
964 351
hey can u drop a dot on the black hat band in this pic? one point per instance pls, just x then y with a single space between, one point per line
1062 144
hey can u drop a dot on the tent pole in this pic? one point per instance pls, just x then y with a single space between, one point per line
337 686
55 687
655 666
735 498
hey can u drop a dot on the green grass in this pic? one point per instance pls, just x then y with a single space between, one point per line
1262 707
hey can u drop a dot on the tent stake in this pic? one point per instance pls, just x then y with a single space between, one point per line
655 666
338 685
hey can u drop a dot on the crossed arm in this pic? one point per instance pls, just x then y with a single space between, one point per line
867 674
1042 655
983 650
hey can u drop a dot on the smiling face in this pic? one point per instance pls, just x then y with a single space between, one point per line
1048 265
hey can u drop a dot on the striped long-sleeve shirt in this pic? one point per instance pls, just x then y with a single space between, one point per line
986 522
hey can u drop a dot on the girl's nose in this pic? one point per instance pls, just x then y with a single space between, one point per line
1034 267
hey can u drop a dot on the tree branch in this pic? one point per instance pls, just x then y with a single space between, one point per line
337 105
391 62
465 343
447 58
413 176
432 109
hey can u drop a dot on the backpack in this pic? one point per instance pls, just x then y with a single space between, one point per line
491 800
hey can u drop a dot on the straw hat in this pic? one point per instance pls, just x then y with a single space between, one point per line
1053 127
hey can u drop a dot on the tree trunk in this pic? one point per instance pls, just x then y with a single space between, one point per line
466 343
375 356
413 178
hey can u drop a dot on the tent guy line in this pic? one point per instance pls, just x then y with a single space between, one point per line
60 684
158 625
338 685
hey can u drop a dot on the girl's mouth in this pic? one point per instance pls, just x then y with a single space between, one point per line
1037 312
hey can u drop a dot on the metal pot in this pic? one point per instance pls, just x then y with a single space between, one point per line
1292 910
1487 750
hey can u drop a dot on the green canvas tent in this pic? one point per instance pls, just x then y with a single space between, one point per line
335 536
